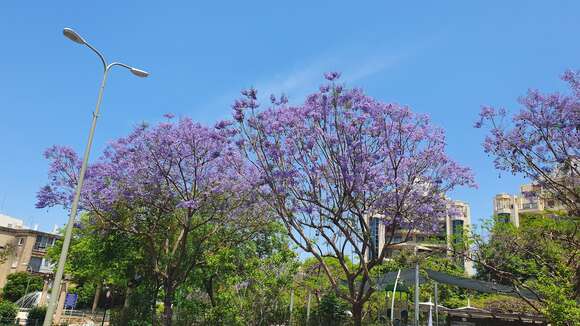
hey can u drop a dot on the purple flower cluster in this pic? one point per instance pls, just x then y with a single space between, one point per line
174 165
540 141
545 130
345 155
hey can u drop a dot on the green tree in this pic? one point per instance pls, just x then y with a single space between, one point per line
17 284
541 256
99 256
245 284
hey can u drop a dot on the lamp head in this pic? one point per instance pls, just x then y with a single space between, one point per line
73 36
139 72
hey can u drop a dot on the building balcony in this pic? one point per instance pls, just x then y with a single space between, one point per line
502 211
530 206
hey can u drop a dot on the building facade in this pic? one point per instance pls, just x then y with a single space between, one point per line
24 250
452 230
531 199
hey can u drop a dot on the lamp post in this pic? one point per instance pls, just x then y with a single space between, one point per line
75 37
107 304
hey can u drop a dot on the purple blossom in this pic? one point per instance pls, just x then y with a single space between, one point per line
177 163
332 75
223 124
345 149
541 140
250 93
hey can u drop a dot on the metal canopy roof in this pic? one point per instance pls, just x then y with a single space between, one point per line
387 280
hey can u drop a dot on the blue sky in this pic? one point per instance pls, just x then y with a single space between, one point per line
445 58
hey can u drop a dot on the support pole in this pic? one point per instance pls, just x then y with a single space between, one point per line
291 306
394 294
417 294
436 305
308 308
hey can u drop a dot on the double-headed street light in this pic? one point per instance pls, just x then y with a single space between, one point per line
75 37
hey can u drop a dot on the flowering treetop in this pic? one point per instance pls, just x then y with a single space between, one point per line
169 166
542 140
343 153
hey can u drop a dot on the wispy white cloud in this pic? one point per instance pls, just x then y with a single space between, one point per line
355 64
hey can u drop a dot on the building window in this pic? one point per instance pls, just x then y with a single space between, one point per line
34 264
20 241
531 205
375 237
457 227
43 242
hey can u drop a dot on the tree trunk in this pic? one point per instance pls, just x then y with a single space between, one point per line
168 304
154 304
209 290
357 314
97 296
127 297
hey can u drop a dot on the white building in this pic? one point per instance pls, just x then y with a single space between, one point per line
11 222
531 199
453 228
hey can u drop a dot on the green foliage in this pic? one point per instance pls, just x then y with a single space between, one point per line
36 316
86 294
245 284
331 310
138 312
99 255
541 255
498 303
17 283
8 311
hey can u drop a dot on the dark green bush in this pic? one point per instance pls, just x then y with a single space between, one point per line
36 316
18 283
8 311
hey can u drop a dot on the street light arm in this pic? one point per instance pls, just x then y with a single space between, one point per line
105 67
118 64
133 70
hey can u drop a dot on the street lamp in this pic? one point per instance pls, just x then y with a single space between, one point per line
75 37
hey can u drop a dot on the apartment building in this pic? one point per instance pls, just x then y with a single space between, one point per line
531 199
451 231
23 249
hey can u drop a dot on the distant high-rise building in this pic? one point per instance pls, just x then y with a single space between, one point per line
532 198
452 230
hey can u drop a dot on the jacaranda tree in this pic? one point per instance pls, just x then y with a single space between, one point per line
541 141
326 167
174 187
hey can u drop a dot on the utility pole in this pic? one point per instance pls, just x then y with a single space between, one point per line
417 294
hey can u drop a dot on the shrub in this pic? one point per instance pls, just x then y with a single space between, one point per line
8 311
36 316
332 310
18 283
